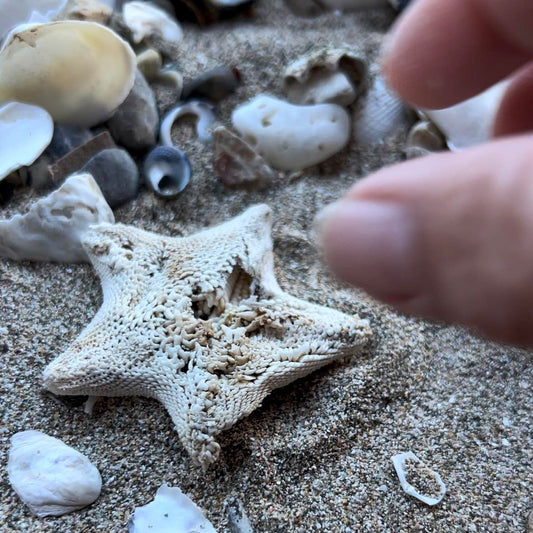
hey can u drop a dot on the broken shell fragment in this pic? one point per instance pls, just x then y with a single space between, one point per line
52 229
424 139
469 123
50 477
215 84
169 512
206 118
417 479
25 132
88 10
292 137
327 75
167 171
95 69
237 164
144 20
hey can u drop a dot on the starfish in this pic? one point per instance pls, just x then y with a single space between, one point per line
199 323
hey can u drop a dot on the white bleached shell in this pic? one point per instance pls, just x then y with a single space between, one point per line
417 479
292 137
202 110
170 512
52 229
469 123
327 75
91 10
50 477
144 19
80 72
25 131
379 114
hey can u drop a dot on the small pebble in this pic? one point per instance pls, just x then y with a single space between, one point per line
116 174
134 124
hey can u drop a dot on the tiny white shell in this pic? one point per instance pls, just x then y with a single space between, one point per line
144 19
405 464
25 131
80 72
170 512
52 229
50 477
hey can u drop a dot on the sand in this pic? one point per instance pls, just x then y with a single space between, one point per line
316 456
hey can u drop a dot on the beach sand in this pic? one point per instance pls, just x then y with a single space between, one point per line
316 456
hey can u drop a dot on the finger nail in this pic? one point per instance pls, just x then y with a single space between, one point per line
372 245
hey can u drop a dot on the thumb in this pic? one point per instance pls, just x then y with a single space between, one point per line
449 236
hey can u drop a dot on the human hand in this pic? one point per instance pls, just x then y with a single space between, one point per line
450 236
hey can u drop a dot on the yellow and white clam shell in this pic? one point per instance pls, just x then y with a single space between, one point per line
80 72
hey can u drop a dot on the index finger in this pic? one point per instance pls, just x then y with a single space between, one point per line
444 51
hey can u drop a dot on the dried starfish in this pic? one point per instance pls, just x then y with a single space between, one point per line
199 323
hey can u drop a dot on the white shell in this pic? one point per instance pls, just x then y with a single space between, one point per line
292 137
50 477
25 131
204 112
402 462
469 122
80 72
325 75
145 19
170 512
52 229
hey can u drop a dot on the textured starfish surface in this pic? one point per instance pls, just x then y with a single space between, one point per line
199 323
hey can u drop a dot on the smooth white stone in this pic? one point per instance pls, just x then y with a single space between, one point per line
52 229
50 477
470 122
292 137
170 512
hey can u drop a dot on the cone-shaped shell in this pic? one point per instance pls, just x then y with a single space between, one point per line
80 72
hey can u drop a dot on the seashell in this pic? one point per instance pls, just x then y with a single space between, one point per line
52 229
237 518
88 10
50 477
169 512
144 20
25 132
417 479
469 122
238 164
326 75
167 171
379 114
95 66
424 139
215 84
292 137
204 112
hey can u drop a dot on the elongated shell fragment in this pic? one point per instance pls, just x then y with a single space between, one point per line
80 72
170 512
25 132
50 477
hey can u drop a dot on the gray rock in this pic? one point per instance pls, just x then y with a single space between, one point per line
116 174
134 124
